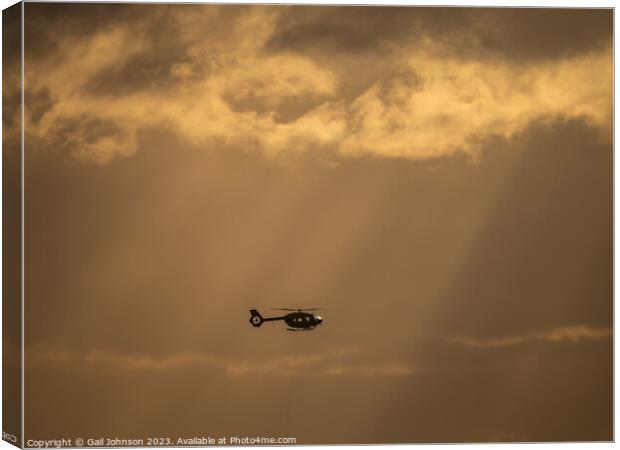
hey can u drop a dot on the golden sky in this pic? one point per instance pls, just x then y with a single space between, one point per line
438 179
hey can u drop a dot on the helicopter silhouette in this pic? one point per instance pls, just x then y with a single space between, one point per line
299 320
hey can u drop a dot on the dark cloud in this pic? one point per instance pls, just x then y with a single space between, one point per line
150 68
51 24
514 33
11 69
402 78
11 45
39 102
355 29
78 136
161 27
287 109
536 33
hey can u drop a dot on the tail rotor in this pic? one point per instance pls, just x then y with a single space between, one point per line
256 319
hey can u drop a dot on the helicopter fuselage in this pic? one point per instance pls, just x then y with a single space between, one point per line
302 320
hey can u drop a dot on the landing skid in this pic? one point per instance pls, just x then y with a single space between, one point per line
300 329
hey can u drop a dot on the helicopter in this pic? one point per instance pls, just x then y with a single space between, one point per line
299 320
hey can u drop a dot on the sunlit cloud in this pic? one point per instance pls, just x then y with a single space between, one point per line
388 369
572 334
332 363
434 104
440 106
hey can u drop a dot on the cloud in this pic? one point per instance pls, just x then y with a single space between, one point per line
388 369
227 89
576 333
525 33
331 363
441 106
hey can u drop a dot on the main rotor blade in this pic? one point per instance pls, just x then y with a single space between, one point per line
298 309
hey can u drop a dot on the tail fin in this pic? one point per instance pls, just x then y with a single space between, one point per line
256 319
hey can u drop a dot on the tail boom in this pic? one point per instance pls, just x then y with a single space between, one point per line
257 320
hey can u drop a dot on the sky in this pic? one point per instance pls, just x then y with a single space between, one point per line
439 180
